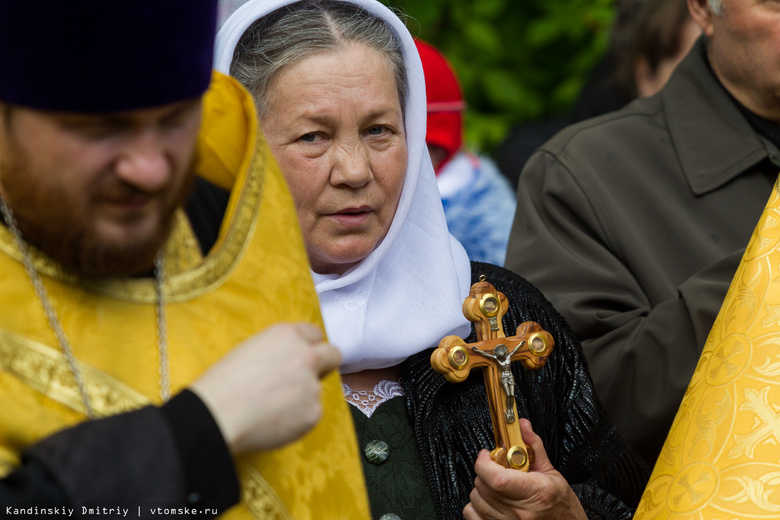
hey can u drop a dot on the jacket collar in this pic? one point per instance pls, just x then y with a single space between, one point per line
714 141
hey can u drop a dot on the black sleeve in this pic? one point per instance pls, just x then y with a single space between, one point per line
168 457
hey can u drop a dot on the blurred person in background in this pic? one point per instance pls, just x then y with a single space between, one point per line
638 219
648 39
478 201
663 35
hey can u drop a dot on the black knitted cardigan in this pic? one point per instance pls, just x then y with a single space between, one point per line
452 421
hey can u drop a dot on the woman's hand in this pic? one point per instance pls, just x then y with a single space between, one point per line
503 494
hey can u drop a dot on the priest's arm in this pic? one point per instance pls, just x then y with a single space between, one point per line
179 454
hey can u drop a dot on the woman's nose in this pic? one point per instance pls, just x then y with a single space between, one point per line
352 166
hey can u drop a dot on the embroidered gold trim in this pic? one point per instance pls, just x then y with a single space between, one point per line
259 497
45 369
182 251
226 253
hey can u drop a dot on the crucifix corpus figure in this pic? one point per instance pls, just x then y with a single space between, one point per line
531 345
503 358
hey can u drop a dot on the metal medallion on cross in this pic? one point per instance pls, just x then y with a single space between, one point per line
494 352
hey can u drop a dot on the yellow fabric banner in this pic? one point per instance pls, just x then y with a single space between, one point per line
721 460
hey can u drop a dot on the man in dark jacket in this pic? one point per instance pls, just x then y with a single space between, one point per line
634 223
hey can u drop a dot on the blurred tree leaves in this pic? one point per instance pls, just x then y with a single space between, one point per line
517 60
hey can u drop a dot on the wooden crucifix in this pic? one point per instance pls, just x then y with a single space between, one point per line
494 352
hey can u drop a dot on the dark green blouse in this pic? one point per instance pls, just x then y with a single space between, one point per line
398 485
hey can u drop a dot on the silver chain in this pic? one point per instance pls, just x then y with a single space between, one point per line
162 329
62 339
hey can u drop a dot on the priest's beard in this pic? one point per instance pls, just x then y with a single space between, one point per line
62 228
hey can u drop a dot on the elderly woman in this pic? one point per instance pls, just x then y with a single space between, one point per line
340 94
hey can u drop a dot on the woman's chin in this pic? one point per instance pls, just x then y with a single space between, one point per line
338 263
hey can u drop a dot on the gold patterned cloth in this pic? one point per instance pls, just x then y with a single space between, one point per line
721 459
256 275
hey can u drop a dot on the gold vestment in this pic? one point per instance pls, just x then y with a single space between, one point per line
721 460
256 275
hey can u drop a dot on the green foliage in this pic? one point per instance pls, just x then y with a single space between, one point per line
517 60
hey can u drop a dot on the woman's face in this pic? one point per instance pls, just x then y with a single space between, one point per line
335 126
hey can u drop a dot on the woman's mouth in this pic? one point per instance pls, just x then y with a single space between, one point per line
352 216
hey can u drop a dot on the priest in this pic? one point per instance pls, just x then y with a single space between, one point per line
144 365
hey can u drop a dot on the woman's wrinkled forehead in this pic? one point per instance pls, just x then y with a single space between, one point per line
292 33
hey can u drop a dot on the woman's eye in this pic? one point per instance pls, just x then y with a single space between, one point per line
310 138
376 130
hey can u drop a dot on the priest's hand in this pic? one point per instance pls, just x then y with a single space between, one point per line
266 392
503 494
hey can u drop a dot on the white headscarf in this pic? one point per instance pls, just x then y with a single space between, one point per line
408 293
